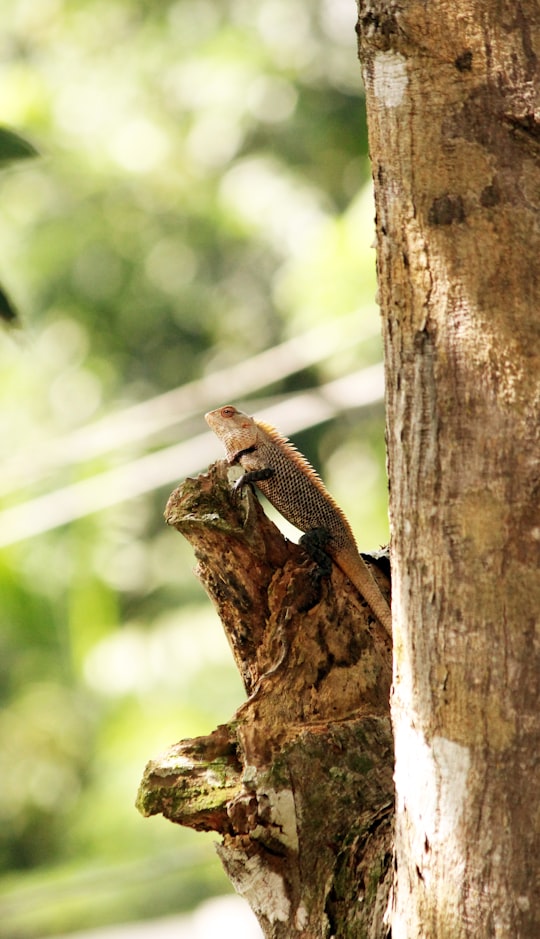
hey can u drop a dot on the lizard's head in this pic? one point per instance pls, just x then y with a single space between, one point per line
236 430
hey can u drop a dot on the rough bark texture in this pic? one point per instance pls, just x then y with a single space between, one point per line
299 783
453 111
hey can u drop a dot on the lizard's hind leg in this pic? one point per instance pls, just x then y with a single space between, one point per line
315 542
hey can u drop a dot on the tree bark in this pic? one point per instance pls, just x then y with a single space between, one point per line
299 782
452 93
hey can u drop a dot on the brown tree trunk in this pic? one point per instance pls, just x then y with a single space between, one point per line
299 783
453 110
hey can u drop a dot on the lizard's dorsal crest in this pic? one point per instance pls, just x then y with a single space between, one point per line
294 454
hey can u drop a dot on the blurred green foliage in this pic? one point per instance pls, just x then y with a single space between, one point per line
200 195
13 148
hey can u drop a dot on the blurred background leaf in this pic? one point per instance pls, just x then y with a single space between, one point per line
13 147
202 196
7 309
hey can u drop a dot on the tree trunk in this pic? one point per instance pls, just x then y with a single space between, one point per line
453 111
299 783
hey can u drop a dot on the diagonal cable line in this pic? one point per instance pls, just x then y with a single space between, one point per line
139 422
144 474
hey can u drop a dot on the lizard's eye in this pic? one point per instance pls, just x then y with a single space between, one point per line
228 411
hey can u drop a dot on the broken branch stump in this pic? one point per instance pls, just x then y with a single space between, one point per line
299 782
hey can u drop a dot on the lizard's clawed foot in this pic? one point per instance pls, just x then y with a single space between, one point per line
253 476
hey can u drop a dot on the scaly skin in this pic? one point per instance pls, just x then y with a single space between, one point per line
293 487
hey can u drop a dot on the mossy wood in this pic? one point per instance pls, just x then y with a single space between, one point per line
299 782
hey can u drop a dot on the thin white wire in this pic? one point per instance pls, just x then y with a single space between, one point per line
140 422
43 513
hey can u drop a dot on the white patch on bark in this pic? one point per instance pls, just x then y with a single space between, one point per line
452 762
301 918
389 78
431 783
263 889
283 815
277 807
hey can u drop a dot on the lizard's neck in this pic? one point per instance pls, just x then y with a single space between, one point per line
242 442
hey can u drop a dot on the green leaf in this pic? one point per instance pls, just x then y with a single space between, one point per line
8 313
13 147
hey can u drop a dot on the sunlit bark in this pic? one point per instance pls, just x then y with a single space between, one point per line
452 91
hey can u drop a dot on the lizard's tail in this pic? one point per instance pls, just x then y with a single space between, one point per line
356 569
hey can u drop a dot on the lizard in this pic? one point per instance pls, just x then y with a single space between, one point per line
291 484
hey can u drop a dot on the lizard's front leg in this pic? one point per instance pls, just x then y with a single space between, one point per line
254 476
250 476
